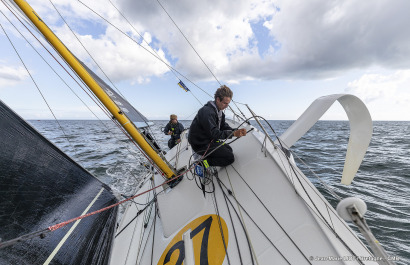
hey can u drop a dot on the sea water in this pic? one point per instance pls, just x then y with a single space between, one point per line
383 180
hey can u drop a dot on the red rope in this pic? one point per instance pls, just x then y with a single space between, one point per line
57 226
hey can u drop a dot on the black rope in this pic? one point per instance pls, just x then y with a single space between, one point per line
146 243
234 230
240 221
240 205
153 236
266 208
220 228
132 220
297 177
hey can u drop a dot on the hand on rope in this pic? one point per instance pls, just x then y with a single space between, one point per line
240 132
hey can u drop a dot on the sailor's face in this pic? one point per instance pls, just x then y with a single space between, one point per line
222 104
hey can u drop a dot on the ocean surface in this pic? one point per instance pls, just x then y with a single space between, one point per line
383 180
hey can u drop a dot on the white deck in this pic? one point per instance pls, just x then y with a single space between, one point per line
297 226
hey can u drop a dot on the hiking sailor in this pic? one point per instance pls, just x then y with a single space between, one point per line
173 128
209 127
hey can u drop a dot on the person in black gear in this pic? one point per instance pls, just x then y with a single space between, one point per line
209 126
174 128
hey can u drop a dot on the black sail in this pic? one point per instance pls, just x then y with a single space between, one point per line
41 186
139 120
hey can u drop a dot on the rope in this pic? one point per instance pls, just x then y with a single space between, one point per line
139 114
95 115
241 207
62 224
220 227
242 219
316 211
266 208
234 231
144 48
38 88
189 42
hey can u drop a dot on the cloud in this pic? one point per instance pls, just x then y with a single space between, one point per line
386 95
10 76
239 39
309 40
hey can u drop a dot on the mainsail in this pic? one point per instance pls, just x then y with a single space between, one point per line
134 115
41 186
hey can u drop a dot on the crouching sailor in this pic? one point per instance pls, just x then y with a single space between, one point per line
209 127
173 128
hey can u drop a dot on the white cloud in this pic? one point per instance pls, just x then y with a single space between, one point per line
318 39
386 95
10 76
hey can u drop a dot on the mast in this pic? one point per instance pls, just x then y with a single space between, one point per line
95 87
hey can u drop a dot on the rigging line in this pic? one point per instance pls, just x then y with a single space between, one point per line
75 35
145 245
320 179
94 99
144 48
61 78
129 23
103 109
52 67
98 65
266 208
143 229
170 68
38 88
316 209
62 224
341 222
337 235
220 182
19 13
155 222
220 225
141 250
189 42
242 220
242 224
234 231
287 158
138 214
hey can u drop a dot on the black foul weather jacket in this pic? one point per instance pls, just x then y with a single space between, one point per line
206 127
176 130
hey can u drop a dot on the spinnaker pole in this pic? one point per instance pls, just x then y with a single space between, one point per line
95 87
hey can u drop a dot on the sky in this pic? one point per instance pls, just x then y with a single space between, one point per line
276 56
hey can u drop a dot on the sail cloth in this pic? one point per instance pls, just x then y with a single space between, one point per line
41 186
139 120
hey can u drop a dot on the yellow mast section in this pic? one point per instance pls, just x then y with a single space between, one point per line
93 85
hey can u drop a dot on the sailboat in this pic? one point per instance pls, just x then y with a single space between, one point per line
260 210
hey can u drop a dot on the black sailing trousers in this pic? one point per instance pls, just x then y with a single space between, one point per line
221 157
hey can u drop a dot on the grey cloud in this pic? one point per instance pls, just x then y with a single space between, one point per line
319 39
